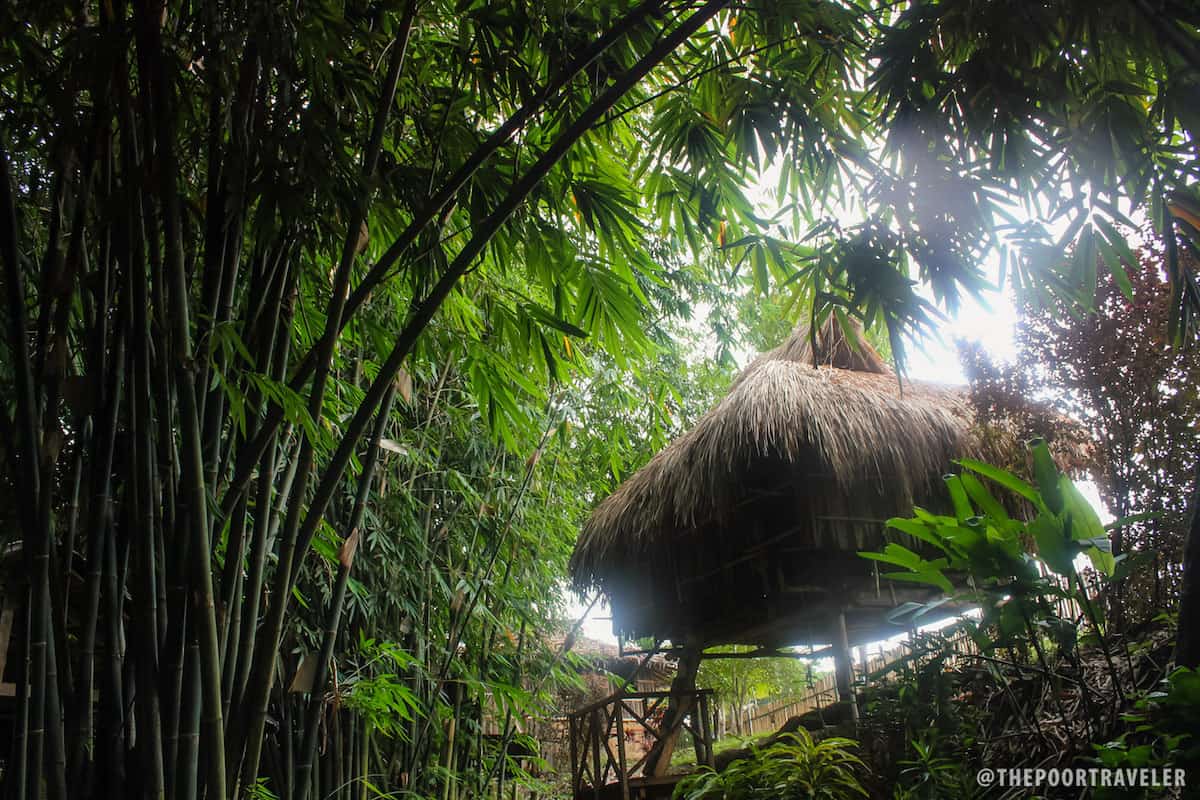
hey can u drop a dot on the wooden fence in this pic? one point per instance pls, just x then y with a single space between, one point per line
768 716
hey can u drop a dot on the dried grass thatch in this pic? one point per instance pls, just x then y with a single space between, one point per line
601 657
758 512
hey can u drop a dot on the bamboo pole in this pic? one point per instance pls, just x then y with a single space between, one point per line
150 14
297 536
345 563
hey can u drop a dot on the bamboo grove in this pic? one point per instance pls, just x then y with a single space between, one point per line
324 323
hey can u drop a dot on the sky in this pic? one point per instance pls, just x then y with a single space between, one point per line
991 323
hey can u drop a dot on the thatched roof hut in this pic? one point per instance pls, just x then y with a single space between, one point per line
747 528
602 658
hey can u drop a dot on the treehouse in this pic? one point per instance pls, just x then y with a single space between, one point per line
747 528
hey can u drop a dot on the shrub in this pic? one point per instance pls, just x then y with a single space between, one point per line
794 768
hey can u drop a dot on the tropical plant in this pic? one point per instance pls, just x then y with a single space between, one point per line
1006 566
1160 731
1025 579
914 717
1113 372
794 768
931 775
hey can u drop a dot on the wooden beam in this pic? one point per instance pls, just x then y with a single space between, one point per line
6 622
766 652
842 667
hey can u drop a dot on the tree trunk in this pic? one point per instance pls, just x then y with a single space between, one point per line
1187 644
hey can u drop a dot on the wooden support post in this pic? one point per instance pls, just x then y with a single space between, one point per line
680 705
706 731
622 776
597 743
842 666
576 765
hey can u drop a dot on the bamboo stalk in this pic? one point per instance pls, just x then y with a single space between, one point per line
187 769
45 720
26 478
19 763
103 446
438 205
266 512
56 785
289 744
346 561
231 584
113 723
147 710
192 474
297 537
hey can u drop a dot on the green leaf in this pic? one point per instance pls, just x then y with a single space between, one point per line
958 495
546 318
929 578
1085 523
917 530
1045 471
1053 546
983 498
1004 478
896 554
1117 255
1102 560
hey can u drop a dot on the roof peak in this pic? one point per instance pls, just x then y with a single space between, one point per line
832 345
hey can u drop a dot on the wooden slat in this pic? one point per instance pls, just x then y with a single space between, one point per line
6 622
591 728
622 775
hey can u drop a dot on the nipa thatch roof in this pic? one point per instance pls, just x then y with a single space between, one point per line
603 657
747 527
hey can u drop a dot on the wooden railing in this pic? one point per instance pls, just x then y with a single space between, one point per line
612 740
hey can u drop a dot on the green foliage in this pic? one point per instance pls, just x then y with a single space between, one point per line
931 775
984 556
794 768
230 230
377 693
260 791
918 716
739 681
1016 572
1160 730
